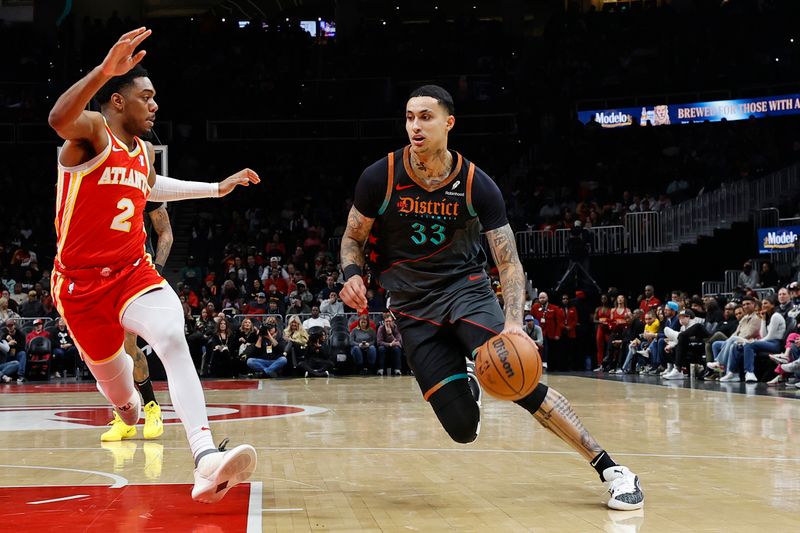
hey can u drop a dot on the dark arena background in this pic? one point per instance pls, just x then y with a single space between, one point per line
647 152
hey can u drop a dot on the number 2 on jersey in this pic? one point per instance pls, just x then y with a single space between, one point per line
420 237
120 222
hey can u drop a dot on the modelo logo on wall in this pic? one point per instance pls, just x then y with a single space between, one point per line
772 240
613 119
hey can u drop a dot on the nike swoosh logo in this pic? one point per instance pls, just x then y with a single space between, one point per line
475 277
594 463
115 149
403 187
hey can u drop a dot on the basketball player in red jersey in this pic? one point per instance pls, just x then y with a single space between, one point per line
422 209
103 281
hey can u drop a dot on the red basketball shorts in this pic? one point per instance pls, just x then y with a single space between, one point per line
92 302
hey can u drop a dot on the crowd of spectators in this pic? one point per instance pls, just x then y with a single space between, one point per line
265 255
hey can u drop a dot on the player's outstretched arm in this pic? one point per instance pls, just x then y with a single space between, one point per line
354 292
166 189
68 116
512 277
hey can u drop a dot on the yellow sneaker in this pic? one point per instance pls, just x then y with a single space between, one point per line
153 425
153 459
119 430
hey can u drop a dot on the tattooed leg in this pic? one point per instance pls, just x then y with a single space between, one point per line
557 415
140 369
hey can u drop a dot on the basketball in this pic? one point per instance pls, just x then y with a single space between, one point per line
508 368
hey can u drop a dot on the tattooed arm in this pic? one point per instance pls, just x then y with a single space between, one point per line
160 220
512 277
354 292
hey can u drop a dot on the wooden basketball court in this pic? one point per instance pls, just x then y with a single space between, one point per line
367 454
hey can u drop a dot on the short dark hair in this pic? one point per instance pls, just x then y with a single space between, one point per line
439 93
118 83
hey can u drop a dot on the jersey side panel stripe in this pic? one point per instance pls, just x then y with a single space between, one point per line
468 197
389 185
66 217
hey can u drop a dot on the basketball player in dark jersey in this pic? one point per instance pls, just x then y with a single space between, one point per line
155 218
419 212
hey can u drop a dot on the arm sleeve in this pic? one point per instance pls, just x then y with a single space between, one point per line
371 188
488 201
169 189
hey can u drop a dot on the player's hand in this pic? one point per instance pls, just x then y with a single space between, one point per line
244 178
120 58
354 293
514 329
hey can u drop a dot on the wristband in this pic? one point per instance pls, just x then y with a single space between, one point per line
159 268
351 270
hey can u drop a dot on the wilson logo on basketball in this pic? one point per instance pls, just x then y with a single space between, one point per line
502 353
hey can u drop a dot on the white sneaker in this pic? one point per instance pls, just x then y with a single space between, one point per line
749 377
220 471
731 376
474 384
713 365
777 380
675 374
780 358
623 486
380 371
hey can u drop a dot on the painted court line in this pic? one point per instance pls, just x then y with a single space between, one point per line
288 510
65 498
254 508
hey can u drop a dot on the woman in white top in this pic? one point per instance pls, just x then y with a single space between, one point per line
773 331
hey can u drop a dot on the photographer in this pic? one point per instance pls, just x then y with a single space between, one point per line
270 354
318 361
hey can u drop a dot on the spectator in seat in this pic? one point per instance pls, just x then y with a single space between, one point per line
258 306
692 330
274 278
274 309
65 354
649 301
33 307
318 361
656 349
773 330
389 342
330 286
362 340
748 277
789 355
767 276
16 347
8 368
788 309
317 320
192 273
332 306
37 331
297 337
534 331
302 293
5 312
354 324
748 330
19 296
723 330
270 355
298 307
638 353
247 337
219 359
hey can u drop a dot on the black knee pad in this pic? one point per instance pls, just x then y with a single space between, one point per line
457 411
534 400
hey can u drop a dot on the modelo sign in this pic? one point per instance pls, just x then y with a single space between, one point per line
771 240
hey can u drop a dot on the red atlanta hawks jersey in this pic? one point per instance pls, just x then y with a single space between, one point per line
99 207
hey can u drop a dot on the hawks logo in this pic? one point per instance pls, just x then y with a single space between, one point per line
445 207
26 418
